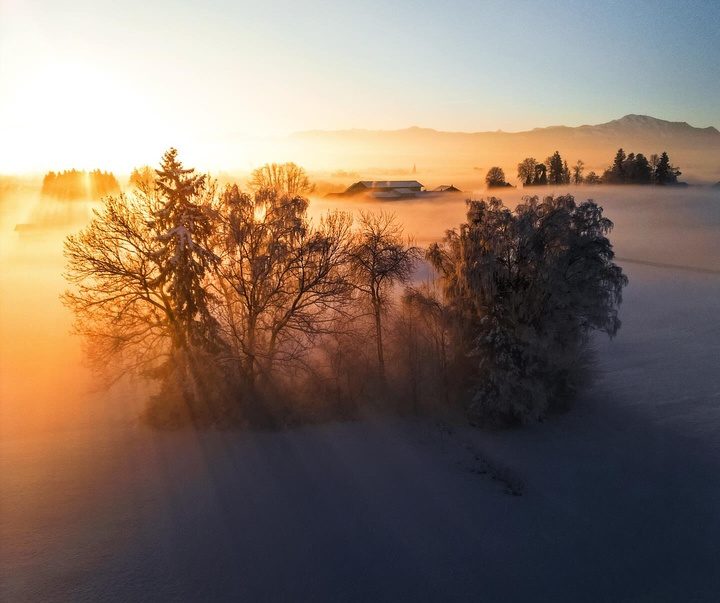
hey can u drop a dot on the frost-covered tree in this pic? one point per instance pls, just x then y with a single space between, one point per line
527 288
184 223
281 277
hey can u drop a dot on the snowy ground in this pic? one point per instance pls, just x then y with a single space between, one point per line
619 500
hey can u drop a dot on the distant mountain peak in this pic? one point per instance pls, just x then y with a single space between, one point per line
631 123
648 124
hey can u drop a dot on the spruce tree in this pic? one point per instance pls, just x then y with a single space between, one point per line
183 225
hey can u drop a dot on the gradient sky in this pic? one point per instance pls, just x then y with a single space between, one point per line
112 84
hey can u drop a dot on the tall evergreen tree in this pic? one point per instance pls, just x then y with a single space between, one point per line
183 225
617 174
665 173
643 171
556 169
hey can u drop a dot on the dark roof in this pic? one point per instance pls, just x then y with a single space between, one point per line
444 188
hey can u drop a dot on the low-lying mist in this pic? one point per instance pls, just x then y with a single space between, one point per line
44 383
655 224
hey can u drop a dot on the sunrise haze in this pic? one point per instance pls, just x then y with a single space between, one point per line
97 84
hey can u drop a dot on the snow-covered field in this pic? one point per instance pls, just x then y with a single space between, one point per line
617 500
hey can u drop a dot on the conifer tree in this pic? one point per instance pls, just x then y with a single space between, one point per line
665 173
184 225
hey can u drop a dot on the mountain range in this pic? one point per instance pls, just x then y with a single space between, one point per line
695 150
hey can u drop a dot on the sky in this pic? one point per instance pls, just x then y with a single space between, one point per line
113 84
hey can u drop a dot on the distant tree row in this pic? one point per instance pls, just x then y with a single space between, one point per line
625 169
79 184
554 171
244 311
638 169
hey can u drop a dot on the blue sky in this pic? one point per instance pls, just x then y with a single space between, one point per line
75 74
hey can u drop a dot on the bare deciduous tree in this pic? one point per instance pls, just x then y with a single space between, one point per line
281 278
286 178
577 172
119 304
526 170
143 179
381 258
139 270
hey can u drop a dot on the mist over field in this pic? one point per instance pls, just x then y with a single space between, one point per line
268 334
615 500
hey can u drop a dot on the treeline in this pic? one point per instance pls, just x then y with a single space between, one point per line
79 184
625 169
530 172
638 169
245 312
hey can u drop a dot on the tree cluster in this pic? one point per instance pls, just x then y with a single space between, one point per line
625 169
525 289
79 184
231 300
638 169
553 171
244 311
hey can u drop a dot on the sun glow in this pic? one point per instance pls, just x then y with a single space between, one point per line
70 114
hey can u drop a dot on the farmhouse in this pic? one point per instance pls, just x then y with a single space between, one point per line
391 190
385 189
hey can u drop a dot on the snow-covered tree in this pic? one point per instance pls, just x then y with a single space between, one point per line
184 224
527 288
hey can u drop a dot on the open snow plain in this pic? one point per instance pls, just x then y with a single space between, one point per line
617 500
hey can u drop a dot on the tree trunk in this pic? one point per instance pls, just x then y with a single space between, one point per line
379 341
